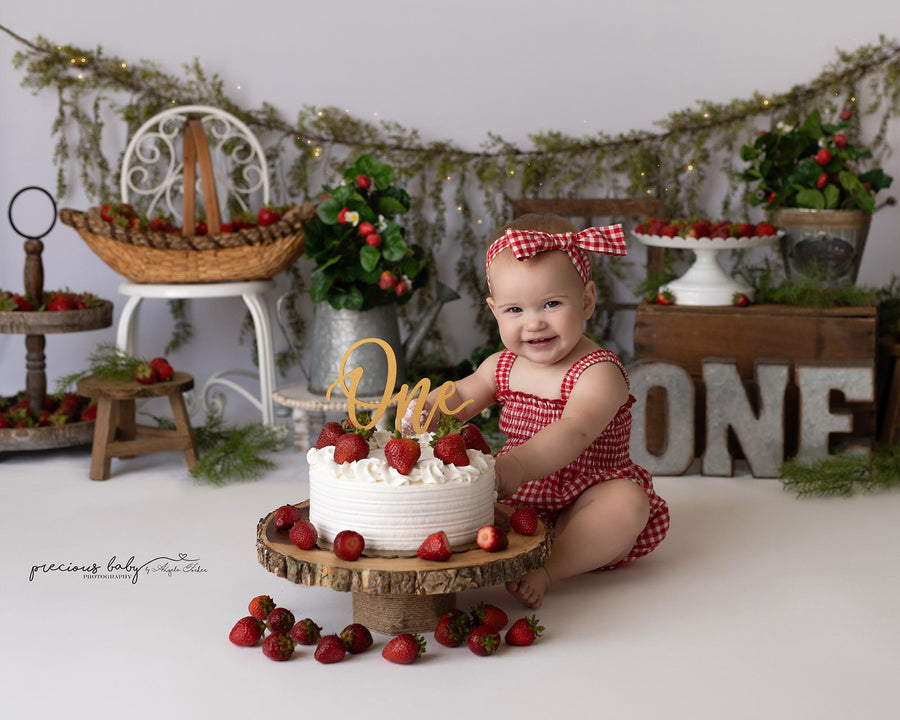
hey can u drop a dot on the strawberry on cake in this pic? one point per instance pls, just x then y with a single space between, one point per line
396 492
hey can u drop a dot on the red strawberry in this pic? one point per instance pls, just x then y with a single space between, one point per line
304 535
823 157
349 545
4 421
435 547
490 615
267 216
524 520
822 180
448 444
402 454
490 538
22 303
846 115
473 439
484 640
453 628
60 303
278 647
404 649
387 280
286 516
664 297
375 241
162 367
261 606
306 632
524 631
363 181
106 212
247 631
145 374
89 413
402 288
366 228
280 621
331 431
357 638
743 230
765 229
739 299
331 649
350 447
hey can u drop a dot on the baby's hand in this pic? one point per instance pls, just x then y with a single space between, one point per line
406 424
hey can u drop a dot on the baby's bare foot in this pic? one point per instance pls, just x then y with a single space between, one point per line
530 588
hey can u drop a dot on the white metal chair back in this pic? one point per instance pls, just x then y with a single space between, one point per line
153 166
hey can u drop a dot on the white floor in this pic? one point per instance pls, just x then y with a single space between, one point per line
758 605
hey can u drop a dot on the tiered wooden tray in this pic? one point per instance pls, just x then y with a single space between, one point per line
396 595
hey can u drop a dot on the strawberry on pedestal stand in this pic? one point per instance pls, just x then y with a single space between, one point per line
35 323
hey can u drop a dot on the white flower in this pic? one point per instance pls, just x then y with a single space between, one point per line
783 127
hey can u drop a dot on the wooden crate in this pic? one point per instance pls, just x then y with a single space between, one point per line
684 336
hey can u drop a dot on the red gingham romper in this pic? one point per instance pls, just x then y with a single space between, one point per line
523 414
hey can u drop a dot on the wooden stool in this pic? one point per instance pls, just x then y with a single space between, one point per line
116 433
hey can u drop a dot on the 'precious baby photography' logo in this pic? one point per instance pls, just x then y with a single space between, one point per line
116 569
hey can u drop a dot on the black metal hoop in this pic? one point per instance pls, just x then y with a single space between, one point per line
10 214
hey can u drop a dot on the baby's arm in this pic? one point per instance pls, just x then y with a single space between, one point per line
479 387
596 398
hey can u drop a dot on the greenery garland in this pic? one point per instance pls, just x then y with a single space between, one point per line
845 474
693 147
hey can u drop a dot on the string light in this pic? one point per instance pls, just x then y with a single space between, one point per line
448 178
511 172
321 113
853 98
706 116
237 87
80 76
123 66
765 102
317 152
690 167
459 208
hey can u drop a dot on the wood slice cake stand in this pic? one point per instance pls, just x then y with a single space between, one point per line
397 595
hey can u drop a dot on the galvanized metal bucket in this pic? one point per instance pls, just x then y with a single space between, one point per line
824 244
336 331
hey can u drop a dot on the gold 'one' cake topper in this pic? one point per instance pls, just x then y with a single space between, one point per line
403 397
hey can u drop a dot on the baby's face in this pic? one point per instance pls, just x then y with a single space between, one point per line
540 305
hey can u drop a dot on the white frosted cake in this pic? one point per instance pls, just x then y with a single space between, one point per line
393 512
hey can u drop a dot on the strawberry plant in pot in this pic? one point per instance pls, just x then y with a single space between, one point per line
819 185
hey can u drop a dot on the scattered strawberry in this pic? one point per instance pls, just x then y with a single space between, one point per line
402 454
280 621
664 297
490 615
22 303
278 647
145 374
331 431
484 640
490 538
267 216
330 649
473 439
448 444
357 638
163 370
350 447
435 547
60 303
524 631
524 520
453 628
739 299
286 516
89 413
404 649
304 535
349 545
765 229
261 606
247 631
306 632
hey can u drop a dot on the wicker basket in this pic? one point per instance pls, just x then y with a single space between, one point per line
143 256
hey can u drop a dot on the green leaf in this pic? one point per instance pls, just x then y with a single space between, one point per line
369 257
353 299
832 196
877 178
809 198
748 152
319 285
328 210
394 247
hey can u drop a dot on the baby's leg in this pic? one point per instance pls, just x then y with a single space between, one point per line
597 530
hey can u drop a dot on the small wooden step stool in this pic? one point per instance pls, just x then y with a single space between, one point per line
116 432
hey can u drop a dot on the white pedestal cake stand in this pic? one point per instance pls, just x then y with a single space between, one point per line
705 282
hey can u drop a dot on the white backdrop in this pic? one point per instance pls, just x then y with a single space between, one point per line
454 70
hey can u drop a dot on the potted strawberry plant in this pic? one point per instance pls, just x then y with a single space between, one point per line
816 180
363 269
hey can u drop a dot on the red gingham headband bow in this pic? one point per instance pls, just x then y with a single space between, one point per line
606 240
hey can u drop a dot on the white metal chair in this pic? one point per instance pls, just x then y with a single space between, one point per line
153 172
